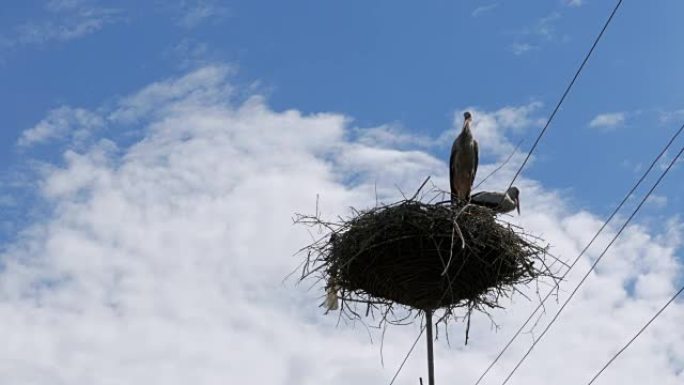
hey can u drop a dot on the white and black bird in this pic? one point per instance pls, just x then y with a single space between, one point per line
499 202
463 162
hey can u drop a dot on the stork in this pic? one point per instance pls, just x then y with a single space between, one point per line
463 163
499 202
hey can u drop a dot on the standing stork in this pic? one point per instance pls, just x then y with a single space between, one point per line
499 202
463 163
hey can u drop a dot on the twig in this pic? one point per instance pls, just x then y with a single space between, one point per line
419 188
456 228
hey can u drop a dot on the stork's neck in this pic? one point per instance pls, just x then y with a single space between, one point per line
466 129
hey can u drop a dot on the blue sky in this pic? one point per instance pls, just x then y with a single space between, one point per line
125 118
407 64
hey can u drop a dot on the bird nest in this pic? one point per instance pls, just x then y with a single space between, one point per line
423 256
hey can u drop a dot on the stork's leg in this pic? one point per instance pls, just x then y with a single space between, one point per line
458 228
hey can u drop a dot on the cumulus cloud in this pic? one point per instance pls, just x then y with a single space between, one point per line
66 20
162 260
540 33
522 48
667 117
191 53
608 120
545 27
483 9
206 86
493 128
61 122
395 136
192 13
658 201
59 5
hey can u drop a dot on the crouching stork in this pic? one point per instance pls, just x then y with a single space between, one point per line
497 201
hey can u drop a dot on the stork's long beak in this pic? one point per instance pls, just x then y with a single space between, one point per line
517 204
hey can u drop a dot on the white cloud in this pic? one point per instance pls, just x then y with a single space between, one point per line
162 261
67 20
522 48
667 117
190 53
204 86
608 120
192 13
59 5
542 32
545 27
60 123
667 158
658 201
395 136
491 128
483 9
574 3
39 33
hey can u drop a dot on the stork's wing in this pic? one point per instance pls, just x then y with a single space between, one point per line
486 198
476 161
451 168
478 195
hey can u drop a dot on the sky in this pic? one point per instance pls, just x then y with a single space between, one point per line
153 155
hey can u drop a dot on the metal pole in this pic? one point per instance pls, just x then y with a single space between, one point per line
431 359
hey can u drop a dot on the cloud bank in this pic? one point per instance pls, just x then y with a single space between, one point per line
162 260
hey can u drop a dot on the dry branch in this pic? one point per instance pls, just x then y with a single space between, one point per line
402 257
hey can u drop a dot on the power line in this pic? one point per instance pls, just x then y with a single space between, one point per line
635 336
534 145
591 242
500 166
593 266
548 294
567 90
407 355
